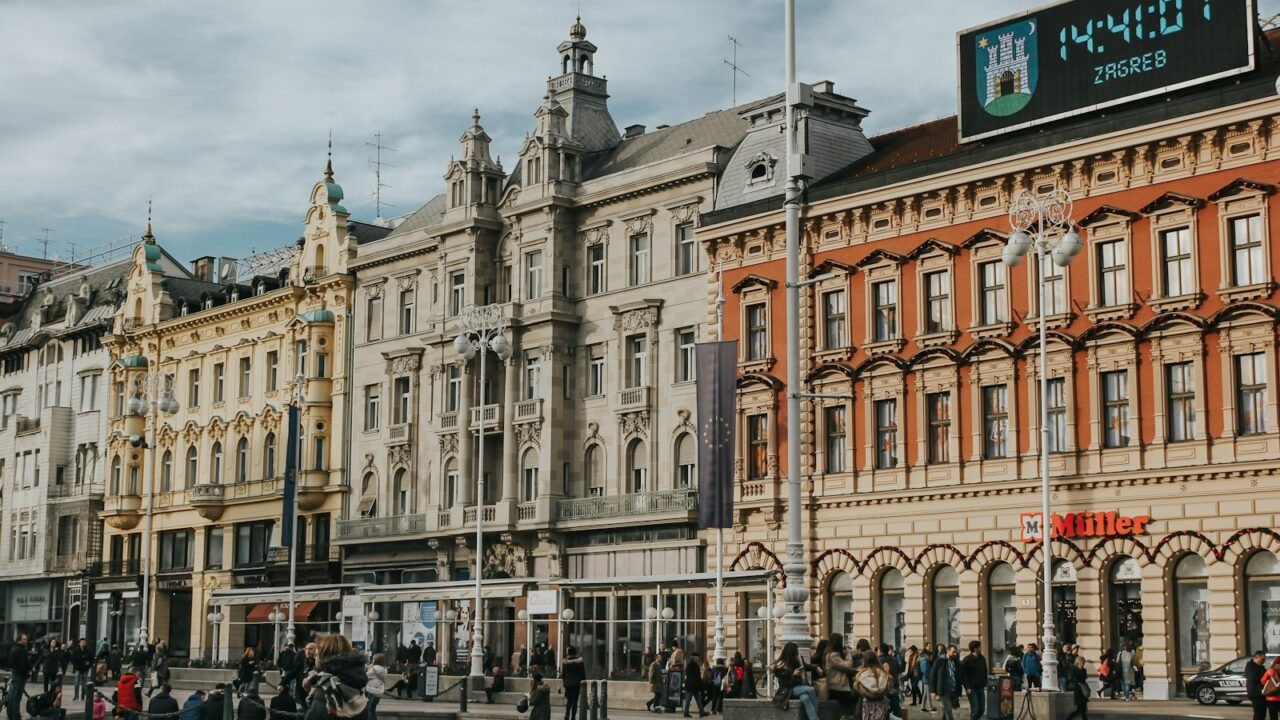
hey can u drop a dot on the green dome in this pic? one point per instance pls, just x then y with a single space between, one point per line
317 316
133 361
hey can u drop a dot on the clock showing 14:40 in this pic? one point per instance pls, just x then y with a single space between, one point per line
1148 20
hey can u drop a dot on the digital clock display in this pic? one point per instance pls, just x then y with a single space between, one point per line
1079 56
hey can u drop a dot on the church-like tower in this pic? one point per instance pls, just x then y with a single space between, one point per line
583 95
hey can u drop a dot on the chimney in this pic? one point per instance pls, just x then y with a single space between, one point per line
826 87
633 131
662 127
202 268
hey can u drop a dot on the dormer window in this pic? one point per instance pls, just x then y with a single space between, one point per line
208 303
760 171
261 289
235 294
182 309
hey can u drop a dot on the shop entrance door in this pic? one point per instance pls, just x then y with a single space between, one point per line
179 637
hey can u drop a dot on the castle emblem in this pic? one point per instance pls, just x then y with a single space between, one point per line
1007 67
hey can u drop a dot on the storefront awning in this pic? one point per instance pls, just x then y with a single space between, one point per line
272 596
457 590
261 613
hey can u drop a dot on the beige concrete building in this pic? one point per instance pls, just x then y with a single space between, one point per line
234 352
590 452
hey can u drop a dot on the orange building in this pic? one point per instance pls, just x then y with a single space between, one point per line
1163 425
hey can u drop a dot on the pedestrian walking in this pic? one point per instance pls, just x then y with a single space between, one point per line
1253 672
1128 670
874 684
974 669
657 685
159 666
246 668
80 660
19 673
1032 667
572 672
924 679
1079 681
337 688
946 682
375 683
1271 689
692 690
539 698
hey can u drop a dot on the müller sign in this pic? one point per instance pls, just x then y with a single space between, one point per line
1085 524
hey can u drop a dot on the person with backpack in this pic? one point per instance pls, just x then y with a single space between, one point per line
924 679
874 685
716 690
1079 682
1013 667
1031 667
1107 674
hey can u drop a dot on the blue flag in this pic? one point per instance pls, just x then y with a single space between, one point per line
290 509
717 423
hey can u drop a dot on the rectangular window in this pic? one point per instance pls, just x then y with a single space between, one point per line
1181 390
372 401
219 376
453 389
320 457
994 306
1113 275
177 550
529 482
1247 267
457 293
595 373
637 355
639 270
1115 409
246 376
937 316
1055 286
757 446
886 434
320 548
595 269
532 377
995 421
834 427
1179 273
533 275
834 317
885 319
322 365
938 407
686 250
1056 407
1251 393
400 395
407 301
686 341
757 332
252 541
89 392
373 318
300 352
273 370
193 388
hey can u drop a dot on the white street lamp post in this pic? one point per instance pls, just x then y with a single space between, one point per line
290 633
215 619
1042 224
483 329
152 391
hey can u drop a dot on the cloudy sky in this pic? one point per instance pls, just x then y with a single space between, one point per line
220 111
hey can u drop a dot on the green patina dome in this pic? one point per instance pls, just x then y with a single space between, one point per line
133 361
317 316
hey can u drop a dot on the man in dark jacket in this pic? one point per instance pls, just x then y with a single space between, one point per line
212 707
945 681
282 703
191 708
290 662
1253 671
19 673
974 670
162 703
81 660
572 673
413 655
251 707
693 684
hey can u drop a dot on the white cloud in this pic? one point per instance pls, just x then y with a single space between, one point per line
220 111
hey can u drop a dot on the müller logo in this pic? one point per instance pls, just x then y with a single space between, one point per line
1085 524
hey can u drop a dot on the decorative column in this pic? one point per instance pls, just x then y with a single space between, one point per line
1156 624
466 471
510 453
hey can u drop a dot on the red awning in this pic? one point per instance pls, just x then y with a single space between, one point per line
304 610
261 613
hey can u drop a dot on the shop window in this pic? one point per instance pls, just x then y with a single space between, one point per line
893 616
945 603
1191 593
840 604
1002 613
1126 603
1064 601
1262 588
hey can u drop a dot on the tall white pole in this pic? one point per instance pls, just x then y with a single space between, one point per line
720 652
1049 678
795 626
147 527
477 617
290 633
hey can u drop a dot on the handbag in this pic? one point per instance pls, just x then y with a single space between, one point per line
782 698
523 705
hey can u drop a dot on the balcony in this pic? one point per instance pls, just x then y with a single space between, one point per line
636 398
314 273
208 500
449 421
678 501
527 410
253 488
115 568
444 519
469 515
526 511
489 415
400 434
123 511
24 425
382 528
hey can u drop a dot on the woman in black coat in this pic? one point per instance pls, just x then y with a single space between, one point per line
245 670
539 698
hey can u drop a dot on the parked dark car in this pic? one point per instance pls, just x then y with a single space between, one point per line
1225 683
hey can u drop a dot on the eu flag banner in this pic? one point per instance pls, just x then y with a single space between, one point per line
290 479
717 414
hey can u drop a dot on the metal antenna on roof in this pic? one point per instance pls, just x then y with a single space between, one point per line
733 43
377 164
44 244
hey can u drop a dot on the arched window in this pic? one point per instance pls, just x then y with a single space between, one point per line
946 606
242 460
1191 591
193 466
840 604
1002 613
1064 600
529 476
892 616
637 467
368 496
166 471
1125 593
269 456
450 484
594 469
115 475
686 461
1262 585
319 259
215 466
401 489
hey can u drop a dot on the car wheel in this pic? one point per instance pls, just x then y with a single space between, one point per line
1206 695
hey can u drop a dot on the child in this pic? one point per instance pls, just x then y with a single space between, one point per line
99 707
